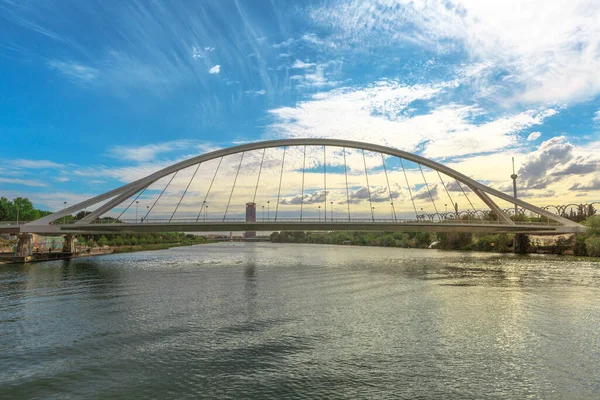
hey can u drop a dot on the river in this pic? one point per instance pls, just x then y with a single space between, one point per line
261 320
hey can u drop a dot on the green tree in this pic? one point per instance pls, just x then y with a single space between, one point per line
103 241
593 225
592 245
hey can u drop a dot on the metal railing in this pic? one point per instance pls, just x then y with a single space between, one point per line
337 221
4 223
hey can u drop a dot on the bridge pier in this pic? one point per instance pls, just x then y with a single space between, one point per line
24 245
69 244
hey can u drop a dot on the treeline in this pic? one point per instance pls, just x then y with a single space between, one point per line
139 239
386 239
20 208
584 244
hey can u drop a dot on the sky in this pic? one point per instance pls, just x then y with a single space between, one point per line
96 94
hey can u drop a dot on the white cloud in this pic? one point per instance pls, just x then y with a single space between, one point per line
302 65
35 164
547 52
74 70
215 70
381 113
147 152
285 43
596 117
26 182
534 136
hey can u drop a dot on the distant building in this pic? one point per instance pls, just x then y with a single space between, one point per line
250 217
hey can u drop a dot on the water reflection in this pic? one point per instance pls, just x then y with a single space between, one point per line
277 321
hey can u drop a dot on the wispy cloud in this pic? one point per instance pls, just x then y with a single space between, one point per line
74 70
534 136
215 70
511 35
34 164
302 65
148 152
26 182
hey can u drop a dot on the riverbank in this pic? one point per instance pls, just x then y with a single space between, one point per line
586 244
151 247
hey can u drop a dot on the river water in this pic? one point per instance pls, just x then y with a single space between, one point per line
268 320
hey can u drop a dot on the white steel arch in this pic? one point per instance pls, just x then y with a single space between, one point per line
124 192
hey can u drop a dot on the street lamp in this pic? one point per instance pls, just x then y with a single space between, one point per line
268 210
392 210
147 212
331 211
319 213
17 214
263 213
65 217
205 212
373 213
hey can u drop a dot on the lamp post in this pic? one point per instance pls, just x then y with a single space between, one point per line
147 212
263 213
392 210
65 217
268 210
319 213
205 212
17 214
373 213
331 211
136 211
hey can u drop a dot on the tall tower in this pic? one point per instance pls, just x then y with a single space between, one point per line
514 179
250 217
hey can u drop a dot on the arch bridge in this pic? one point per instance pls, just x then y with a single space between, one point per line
302 184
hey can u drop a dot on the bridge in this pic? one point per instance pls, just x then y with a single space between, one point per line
302 184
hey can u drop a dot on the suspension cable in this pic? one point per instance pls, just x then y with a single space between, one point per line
409 191
465 194
209 187
185 191
325 179
428 191
161 193
133 201
259 171
445 188
368 187
280 179
347 191
233 187
389 188
303 168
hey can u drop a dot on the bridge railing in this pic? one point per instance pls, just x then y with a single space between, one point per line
4 223
340 221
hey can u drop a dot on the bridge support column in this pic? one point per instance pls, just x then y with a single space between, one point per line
24 245
69 244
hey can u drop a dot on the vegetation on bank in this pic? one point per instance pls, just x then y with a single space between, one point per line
19 207
147 247
147 240
585 244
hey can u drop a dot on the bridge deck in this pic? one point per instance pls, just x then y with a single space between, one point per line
296 225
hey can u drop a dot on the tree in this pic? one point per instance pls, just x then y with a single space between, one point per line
593 225
592 245
102 241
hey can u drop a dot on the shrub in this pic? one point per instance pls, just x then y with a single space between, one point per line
592 246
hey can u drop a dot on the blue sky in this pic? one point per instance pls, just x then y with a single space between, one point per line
94 94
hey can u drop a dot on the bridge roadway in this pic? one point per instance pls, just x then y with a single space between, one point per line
294 224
